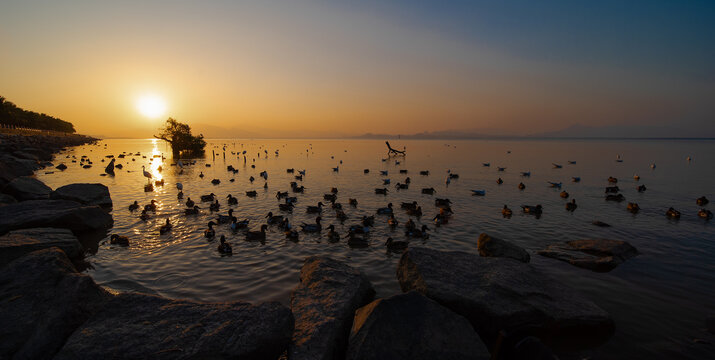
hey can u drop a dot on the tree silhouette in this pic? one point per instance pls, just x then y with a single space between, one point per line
12 115
179 136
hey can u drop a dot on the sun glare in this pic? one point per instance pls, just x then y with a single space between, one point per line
151 106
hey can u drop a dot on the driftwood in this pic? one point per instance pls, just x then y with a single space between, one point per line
391 151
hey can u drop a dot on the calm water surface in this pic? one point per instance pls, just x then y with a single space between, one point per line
659 299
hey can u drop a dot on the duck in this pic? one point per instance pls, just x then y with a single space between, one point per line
315 209
353 202
385 181
334 190
506 212
408 180
571 206
224 247
392 222
180 195
120 240
617 197
705 214
633 207
366 171
355 241
207 198
415 211
576 179
340 215
641 188
410 225
442 202
418 233
236 225
210 232
564 195
396 246
280 195
612 180
273 219
165 228
251 193
555 184
382 191
330 197
336 205
479 192
385 210
424 172
312 228
521 186
612 189
225 219
257 235
400 186
215 206
571 162
702 201
442 218
500 181
486 164
215 181
672 213
368 220
291 200
333 235
201 174
192 211
286 207
383 172
526 173
292 235
528 209
428 191
501 168
251 179
557 166
189 202
408 205
151 206
232 200
134 206
600 223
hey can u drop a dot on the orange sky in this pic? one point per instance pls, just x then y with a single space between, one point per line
308 69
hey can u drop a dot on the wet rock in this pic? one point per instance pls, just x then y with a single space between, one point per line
140 326
324 304
6 199
504 294
88 194
62 214
42 301
599 255
411 326
27 188
492 247
18 243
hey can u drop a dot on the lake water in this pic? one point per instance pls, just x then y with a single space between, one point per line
658 299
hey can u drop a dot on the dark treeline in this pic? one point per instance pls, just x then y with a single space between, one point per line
11 115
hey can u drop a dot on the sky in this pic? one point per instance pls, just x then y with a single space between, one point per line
336 68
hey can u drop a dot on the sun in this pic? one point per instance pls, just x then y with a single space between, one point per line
151 106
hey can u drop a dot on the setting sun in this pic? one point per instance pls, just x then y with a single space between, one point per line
151 106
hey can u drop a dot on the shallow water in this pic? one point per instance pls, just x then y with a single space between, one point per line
658 299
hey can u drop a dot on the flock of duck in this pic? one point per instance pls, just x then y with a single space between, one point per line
357 234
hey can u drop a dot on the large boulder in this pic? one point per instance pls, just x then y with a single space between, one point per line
599 255
502 294
324 304
27 188
42 301
53 213
12 167
25 155
493 247
411 326
88 194
18 243
140 326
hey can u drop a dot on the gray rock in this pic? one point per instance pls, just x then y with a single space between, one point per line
88 194
18 243
27 188
504 294
25 155
492 247
53 213
42 301
323 305
599 255
6 199
411 326
11 167
140 326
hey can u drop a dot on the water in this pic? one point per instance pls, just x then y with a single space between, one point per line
659 299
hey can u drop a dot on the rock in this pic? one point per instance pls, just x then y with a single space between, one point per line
42 301
710 324
11 167
324 304
62 214
6 199
25 155
27 188
18 243
504 294
411 326
492 247
140 326
88 194
599 255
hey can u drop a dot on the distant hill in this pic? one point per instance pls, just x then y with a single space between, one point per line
12 115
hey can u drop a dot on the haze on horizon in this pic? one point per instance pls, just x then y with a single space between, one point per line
317 68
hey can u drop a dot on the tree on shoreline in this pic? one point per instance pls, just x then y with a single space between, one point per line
182 141
13 116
